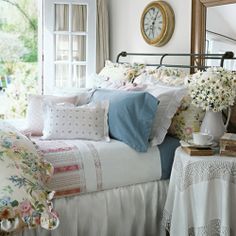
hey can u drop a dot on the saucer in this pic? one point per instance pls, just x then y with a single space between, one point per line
200 145
190 143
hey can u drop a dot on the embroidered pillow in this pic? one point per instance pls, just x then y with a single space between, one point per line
131 115
83 122
34 114
187 120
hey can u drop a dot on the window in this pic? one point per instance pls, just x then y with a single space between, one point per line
69 44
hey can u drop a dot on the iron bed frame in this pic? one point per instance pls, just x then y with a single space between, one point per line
196 57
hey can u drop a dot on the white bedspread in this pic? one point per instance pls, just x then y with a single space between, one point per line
126 211
87 166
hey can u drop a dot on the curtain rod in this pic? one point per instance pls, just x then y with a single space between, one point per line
222 35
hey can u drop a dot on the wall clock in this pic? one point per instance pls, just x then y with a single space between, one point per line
157 23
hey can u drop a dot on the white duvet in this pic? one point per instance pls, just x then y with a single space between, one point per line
87 166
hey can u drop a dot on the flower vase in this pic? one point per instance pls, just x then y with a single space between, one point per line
213 124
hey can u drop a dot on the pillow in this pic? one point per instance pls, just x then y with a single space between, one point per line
84 122
34 114
114 75
114 71
83 95
170 99
169 94
187 120
24 199
130 117
164 75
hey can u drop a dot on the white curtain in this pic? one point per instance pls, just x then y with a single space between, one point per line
102 34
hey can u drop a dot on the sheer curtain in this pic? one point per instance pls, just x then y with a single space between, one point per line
102 34
79 24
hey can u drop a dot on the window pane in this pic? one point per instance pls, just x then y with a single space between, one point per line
61 17
61 75
79 18
79 48
79 76
62 47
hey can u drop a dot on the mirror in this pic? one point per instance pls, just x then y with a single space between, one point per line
198 35
198 38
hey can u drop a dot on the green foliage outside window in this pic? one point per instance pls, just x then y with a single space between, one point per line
19 54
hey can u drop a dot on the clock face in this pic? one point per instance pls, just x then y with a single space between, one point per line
157 23
153 23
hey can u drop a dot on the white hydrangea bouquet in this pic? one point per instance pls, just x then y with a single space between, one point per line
213 89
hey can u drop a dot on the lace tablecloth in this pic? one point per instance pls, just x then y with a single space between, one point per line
202 196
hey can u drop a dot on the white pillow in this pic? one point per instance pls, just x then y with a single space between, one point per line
83 95
83 122
169 101
169 93
34 113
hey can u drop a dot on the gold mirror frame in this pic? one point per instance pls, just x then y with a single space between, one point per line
198 34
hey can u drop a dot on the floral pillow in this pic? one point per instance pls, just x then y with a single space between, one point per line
167 76
24 199
115 75
187 120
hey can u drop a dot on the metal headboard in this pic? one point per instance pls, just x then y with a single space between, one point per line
162 56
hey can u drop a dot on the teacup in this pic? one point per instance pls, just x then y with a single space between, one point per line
202 138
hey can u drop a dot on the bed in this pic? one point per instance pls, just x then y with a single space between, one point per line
108 188
125 200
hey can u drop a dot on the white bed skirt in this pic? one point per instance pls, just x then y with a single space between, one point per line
134 210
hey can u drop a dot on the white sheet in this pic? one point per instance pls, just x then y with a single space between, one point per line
94 166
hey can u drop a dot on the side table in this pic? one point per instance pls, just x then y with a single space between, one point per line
201 197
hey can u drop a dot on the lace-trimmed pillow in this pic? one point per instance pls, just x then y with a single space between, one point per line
170 98
187 120
70 122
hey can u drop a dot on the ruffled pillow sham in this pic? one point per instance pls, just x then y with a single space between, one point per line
169 94
169 101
